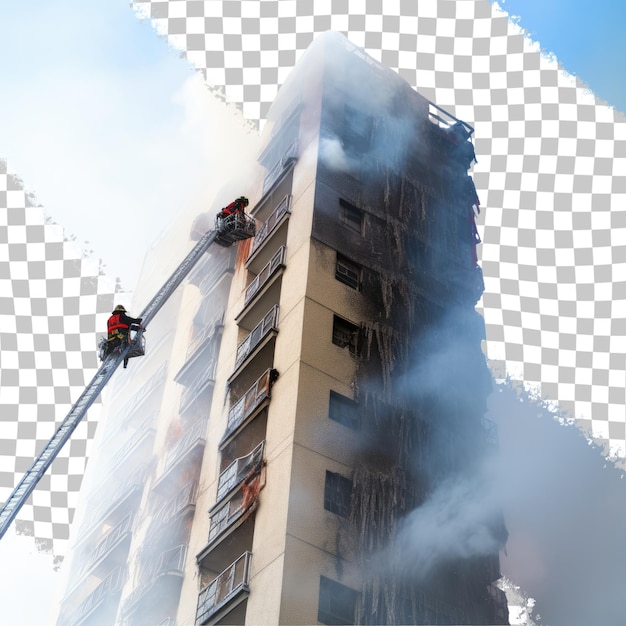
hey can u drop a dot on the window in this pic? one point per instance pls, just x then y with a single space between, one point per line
351 216
357 129
343 410
345 334
337 494
337 604
348 272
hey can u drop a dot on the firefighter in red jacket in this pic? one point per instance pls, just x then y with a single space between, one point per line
118 328
237 206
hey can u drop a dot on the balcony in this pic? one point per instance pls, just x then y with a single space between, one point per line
187 450
137 444
206 334
203 379
272 222
183 501
106 511
97 599
209 274
239 470
278 260
107 545
267 325
167 573
225 592
253 400
289 157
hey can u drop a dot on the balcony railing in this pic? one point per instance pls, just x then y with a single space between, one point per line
215 271
272 221
145 391
268 323
111 584
238 470
207 332
265 274
169 562
193 389
274 174
109 541
231 581
141 433
98 513
182 445
250 400
184 498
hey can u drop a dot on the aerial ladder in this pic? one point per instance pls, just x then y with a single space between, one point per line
228 230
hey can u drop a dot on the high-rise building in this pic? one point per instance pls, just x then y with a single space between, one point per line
309 442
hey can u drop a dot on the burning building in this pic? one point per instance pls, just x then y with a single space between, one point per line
310 445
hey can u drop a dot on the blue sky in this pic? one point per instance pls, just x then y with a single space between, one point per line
586 37
113 132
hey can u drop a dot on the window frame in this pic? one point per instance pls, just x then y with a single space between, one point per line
349 329
337 494
344 410
348 213
327 609
349 267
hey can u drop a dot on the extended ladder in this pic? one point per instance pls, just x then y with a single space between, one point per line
227 234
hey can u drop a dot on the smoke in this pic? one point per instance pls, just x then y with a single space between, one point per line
457 521
565 507
331 152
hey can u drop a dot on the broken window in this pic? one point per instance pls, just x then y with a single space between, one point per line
351 216
348 272
343 410
337 602
345 334
337 494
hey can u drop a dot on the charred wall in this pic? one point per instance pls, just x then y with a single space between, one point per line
422 380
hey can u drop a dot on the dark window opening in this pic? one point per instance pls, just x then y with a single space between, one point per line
337 494
348 272
357 129
337 604
345 334
343 410
351 216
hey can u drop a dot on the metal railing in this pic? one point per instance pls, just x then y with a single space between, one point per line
109 541
179 449
265 274
191 390
268 323
169 562
284 206
206 333
289 155
99 512
145 391
111 584
238 470
233 579
215 272
226 515
184 498
248 403
141 433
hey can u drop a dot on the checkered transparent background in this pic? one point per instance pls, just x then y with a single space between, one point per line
52 302
551 174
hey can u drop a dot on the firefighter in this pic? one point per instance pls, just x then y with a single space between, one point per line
237 206
118 329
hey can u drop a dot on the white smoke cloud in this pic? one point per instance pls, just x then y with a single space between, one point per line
456 521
